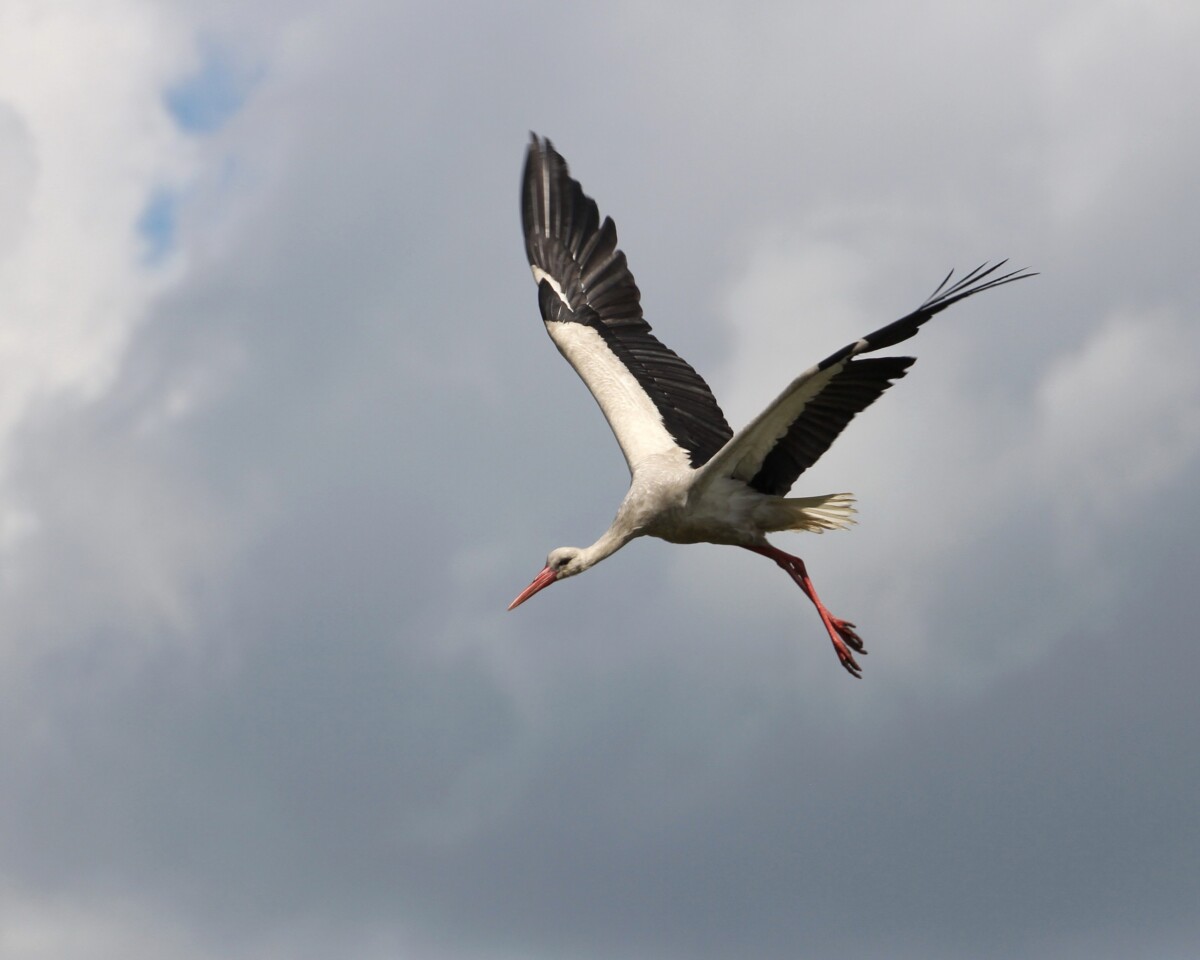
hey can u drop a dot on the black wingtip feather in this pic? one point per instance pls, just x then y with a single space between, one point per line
946 294
971 284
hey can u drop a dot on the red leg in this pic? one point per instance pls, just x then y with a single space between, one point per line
841 632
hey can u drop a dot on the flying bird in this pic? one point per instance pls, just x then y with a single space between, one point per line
693 479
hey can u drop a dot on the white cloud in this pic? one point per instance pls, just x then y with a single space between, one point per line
1119 423
44 928
1113 80
86 143
81 84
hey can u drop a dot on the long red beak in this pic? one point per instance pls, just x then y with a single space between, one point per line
540 582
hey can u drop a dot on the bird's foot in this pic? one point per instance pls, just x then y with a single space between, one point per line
846 640
846 631
844 637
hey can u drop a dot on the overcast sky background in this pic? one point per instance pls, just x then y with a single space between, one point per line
281 435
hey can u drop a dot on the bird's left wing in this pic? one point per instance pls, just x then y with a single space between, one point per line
654 401
802 422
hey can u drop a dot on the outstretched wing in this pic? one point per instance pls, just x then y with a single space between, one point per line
653 400
791 434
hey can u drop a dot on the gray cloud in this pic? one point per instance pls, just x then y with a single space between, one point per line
260 694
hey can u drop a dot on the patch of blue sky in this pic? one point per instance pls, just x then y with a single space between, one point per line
200 104
204 101
157 225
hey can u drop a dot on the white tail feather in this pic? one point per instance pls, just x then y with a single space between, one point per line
835 511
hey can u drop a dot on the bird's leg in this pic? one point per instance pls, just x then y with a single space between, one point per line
841 632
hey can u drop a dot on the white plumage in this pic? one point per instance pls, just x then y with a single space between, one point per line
692 479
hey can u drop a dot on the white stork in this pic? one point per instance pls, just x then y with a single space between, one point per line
693 479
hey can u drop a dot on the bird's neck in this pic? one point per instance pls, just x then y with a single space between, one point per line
609 543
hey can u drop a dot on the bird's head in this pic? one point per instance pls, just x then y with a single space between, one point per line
563 562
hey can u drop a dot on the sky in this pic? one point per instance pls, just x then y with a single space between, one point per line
281 436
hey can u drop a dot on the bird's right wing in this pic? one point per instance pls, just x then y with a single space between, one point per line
802 422
654 401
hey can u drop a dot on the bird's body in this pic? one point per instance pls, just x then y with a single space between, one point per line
693 480
669 501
